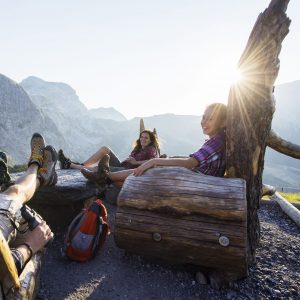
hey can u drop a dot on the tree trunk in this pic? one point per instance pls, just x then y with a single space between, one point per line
251 108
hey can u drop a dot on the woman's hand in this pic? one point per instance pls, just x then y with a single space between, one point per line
131 160
142 168
38 237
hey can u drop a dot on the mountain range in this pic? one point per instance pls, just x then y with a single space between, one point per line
55 110
281 170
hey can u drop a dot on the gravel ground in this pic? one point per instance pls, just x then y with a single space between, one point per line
117 275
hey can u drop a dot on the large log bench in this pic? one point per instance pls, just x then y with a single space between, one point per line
182 217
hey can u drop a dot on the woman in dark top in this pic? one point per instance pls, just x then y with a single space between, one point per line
146 147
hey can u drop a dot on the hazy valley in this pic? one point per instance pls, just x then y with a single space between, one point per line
55 110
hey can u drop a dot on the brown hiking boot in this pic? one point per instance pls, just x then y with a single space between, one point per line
4 174
101 175
64 162
46 173
5 179
37 146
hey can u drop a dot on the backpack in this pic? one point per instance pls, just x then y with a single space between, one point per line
87 233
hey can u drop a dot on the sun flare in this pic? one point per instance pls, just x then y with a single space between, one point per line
235 76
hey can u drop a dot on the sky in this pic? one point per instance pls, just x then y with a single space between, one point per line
141 57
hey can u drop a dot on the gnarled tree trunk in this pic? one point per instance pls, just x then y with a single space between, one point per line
251 108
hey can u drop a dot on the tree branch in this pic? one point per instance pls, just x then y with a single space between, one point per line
278 144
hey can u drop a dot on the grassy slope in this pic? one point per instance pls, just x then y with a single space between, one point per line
291 197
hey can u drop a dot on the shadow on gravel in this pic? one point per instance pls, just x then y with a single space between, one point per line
117 275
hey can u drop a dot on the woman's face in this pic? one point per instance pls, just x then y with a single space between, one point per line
145 139
211 123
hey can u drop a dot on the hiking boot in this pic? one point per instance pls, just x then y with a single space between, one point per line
4 175
37 146
64 162
3 156
46 173
101 175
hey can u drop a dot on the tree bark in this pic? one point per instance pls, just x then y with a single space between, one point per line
251 108
142 125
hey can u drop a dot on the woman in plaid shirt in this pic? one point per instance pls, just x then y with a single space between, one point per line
208 160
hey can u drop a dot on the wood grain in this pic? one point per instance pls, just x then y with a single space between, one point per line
189 212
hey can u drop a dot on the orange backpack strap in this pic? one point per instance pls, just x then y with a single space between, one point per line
103 214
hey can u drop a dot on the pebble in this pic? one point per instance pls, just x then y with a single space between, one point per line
231 295
201 278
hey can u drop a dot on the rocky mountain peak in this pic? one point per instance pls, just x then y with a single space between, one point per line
20 118
57 96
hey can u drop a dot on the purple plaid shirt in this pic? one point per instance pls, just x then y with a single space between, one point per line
143 154
211 157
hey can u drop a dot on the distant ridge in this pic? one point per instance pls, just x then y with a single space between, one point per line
55 110
58 97
106 113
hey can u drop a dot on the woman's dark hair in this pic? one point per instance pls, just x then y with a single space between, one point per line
153 141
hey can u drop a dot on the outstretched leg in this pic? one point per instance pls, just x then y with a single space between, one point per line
97 156
119 177
66 163
103 175
41 171
25 186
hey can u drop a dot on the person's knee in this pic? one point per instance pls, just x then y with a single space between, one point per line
13 190
105 149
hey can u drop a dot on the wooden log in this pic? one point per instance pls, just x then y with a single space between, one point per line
142 125
287 207
183 217
267 190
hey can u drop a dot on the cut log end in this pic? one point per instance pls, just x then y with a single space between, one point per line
268 190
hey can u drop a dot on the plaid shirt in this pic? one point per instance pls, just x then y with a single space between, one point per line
211 157
140 155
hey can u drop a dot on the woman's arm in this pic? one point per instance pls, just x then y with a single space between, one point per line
151 152
188 163
135 162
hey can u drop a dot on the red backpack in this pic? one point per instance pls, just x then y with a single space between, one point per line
87 233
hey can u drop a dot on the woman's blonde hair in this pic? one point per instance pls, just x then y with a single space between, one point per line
221 111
